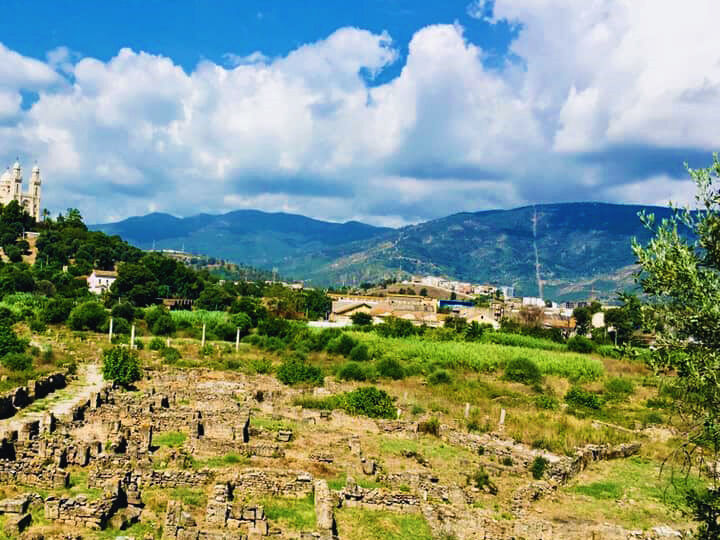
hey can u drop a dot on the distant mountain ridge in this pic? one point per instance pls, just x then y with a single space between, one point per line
581 247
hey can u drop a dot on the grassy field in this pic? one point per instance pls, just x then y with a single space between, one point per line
484 357
356 524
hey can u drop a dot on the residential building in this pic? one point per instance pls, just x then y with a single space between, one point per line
101 280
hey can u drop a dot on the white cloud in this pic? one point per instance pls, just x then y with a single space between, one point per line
307 132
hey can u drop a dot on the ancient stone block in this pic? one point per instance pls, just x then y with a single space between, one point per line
16 524
284 435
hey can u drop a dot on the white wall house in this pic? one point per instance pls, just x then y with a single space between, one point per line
101 280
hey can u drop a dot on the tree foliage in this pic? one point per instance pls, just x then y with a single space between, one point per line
121 365
680 274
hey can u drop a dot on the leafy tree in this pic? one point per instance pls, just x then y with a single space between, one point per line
17 361
583 320
680 274
296 370
10 342
369 401
243 322
121 365
361 319
317 304
523 370
214 298
135 283
124 310
87 316
57 310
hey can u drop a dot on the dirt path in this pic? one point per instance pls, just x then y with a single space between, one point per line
89 381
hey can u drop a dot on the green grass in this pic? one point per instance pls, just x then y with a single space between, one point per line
358 524
428 447
289 513
189 496
272 425
218 462
197 318
518 340
173 439
655 498
485 357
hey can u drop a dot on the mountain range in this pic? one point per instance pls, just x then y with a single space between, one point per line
579 249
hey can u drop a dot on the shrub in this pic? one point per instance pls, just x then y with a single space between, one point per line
261 365
225 331
481 480
369 401
156 344
394 327
10 342
163 325
37 325
57 310
121 365
274 327
538 466
441 376
522 370
342 344
296 370
87 316
361 319
124 310
243 322
207 350
17 361
431 427
547 402
580 397
352 371
359 353
580 344
619 387
170 354
390 368
120 326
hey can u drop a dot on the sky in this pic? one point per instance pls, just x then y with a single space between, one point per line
383 111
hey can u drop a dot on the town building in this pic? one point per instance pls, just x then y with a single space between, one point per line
100 281
11 189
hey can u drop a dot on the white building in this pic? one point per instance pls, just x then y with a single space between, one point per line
101 280
11 189
533 301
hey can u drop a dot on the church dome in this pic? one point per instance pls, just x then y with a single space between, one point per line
6 177
16 167
36 169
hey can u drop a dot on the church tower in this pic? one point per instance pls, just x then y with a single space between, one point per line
35 185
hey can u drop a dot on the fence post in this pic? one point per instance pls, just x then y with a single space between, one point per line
203 336
110 331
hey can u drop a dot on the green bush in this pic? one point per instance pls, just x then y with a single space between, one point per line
17 361
10 342
170 354
481 480
352 371
522 370
580 397
157 344
261 365
121 365
120 326
57 310
88 316
619 387
243 322
369 401
538 466
296 370
274 327
581 344
163 325
124 310
342 345
361 319
547 402
390 369
431 427
441 376
37 325
359 353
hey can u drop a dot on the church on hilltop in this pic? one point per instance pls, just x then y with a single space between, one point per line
11 189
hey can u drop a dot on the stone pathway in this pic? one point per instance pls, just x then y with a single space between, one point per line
89 381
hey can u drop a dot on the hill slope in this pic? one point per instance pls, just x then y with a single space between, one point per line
579 246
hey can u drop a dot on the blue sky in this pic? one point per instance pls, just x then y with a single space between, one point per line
388 112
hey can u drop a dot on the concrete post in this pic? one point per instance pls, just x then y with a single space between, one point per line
467 410
237 340
110 331
132 337
203 336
